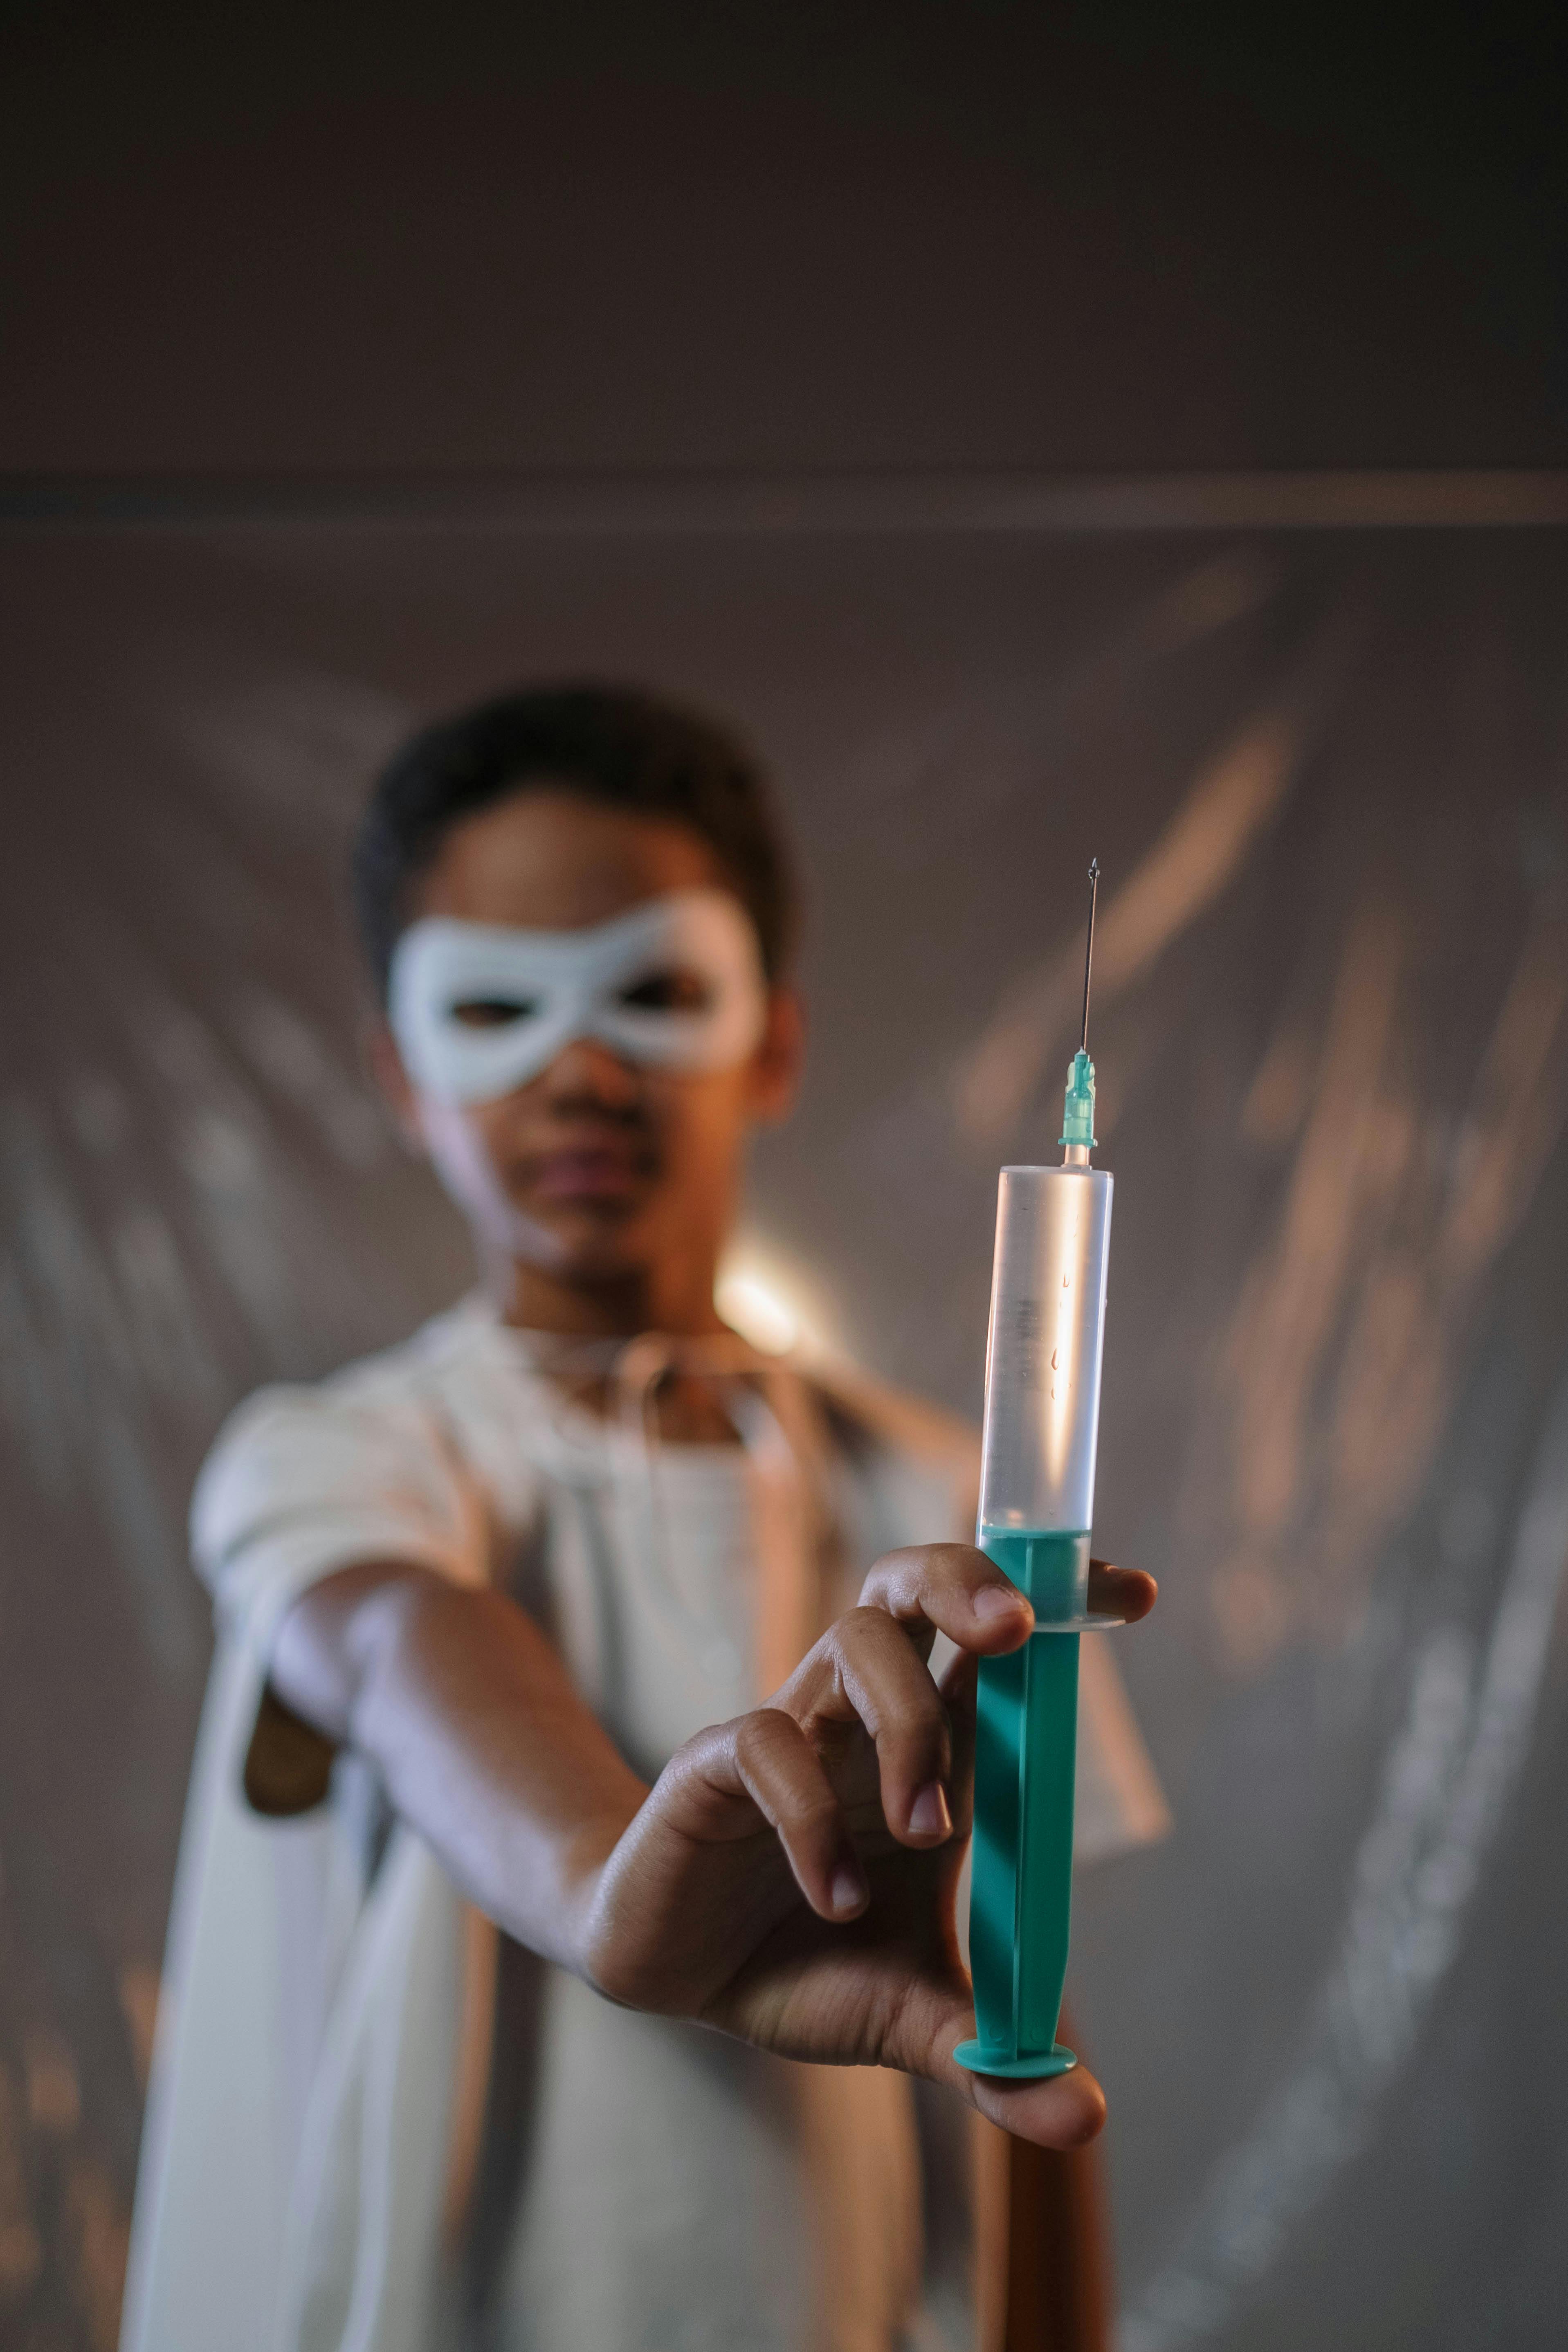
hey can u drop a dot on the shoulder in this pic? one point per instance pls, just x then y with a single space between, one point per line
396 1389
376 1427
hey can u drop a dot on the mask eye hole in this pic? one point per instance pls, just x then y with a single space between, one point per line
492 1012
676 989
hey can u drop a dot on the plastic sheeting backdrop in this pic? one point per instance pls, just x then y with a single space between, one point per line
1325 777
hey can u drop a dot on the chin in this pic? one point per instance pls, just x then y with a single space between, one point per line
586 1242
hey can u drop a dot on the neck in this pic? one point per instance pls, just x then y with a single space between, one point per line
678 1300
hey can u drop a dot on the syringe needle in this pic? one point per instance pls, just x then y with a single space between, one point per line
1088 950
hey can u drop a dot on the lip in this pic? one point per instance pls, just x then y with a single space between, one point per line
588 1172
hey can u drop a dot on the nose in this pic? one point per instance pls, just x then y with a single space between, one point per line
587 1069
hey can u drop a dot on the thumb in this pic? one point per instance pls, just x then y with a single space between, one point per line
1062 2111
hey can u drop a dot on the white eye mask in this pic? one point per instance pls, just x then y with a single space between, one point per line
536 991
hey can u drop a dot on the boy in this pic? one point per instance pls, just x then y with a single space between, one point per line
479 1599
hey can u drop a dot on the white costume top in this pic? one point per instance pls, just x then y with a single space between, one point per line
313 2175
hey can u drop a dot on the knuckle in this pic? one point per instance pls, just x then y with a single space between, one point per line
919 1709
694 1755
869 1642
762 1736
750 1739
898 1579
963 1562
809 1811
886 1574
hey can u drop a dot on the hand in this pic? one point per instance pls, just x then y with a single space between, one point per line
790 1877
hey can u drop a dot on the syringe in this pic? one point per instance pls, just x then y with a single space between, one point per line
1037 1497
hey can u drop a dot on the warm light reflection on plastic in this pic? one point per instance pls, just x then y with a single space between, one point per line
1060 1377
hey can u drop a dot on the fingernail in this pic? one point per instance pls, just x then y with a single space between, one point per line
929 1816
848 1889
998 1600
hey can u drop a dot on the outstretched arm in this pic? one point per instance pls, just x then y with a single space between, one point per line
790 1876
483 1744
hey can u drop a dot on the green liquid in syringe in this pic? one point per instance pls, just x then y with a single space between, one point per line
1051 1570
1026 1750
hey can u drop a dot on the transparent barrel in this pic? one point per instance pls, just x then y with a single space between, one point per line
1042 1379
1036 1504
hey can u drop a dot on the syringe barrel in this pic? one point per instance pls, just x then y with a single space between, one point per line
1037 1504
1043 1352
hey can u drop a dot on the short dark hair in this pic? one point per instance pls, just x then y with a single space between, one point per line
627 748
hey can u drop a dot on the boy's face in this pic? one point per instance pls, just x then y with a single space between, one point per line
599 1172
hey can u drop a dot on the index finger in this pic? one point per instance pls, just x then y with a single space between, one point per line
1121 1593
954 1589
